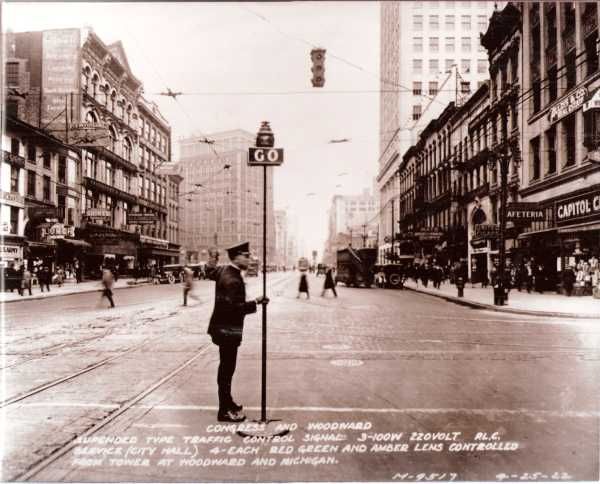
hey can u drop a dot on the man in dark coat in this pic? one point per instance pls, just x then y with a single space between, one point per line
329 282
227 322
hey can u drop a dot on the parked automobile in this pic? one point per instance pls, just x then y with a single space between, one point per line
170 273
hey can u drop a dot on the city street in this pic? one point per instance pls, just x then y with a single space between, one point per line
374 385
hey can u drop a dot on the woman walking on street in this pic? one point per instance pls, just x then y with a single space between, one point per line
303 286
107 283
26 281
329 282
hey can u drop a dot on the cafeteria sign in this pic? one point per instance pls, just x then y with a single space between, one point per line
569 104
524 212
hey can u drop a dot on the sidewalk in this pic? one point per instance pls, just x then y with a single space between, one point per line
69 287
546 304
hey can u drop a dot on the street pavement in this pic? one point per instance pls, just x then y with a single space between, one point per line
374 385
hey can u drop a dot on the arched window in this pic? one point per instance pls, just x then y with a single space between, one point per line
113 100
106 89
95 82
129 112
127 149
85 78
112 135
91 117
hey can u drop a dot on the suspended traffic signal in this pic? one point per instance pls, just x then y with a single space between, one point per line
318 69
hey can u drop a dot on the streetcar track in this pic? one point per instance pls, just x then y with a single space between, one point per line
122 408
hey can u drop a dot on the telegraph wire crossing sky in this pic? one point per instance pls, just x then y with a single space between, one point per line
213 53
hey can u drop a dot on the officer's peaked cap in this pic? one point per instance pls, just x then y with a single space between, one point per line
237 249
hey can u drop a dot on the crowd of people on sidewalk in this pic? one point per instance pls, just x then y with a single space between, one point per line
23 277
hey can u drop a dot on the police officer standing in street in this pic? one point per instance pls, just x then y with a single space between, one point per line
227 321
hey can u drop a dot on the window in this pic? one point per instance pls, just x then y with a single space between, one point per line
112 136
591 52
12 108
465 44
62 169
12 73
417 66
31 183
434 22
535 158
417 88
31 153
47 159
434 44
465 87
14 178
482 23
552 83
434 66
416 112
418 44
449 22
465 22
569 140
127 149
571 70
46 188
536 95
110 174
15 146
482 65
448 64
449 44
551 149
433 88
465 65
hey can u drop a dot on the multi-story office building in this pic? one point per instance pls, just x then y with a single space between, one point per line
561 140
430 56
174 179
153 186
281 238
82 91
353 219
223 196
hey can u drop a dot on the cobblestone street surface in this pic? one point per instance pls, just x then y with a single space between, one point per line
376 385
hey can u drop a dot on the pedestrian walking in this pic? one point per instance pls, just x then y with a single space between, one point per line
227 322
380 278
60 276
77 268
44 278
568 278
528 276
329 282
107 283
26 281
188 285
303 286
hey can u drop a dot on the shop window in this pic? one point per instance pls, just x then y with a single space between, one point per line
14 220
31 183
591 129
569 140
535 158
551 150
46 188
14 178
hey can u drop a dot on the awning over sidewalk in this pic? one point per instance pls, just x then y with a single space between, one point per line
579 228
75 243
524 235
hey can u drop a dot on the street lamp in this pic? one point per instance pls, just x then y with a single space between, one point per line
502 156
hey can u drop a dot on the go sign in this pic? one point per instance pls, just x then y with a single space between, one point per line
265 156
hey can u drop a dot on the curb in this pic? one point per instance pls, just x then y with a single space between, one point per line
501 309
85 291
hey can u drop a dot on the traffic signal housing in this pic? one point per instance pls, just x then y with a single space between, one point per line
318 69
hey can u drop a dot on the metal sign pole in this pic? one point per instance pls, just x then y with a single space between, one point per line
263 397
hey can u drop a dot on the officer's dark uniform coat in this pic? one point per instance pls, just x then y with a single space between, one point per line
227 320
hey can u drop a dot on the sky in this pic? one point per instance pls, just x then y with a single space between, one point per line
218 53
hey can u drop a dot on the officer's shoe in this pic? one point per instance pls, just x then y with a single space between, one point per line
230 416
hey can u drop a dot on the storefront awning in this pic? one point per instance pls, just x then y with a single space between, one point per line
524 235
75 243
148 251
579 228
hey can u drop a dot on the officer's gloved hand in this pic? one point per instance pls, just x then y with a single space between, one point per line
262 300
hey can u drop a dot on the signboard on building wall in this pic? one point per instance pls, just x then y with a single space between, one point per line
89 134
12 198
60 77
486 231
524 212
568 105
135 218
578 209
98 213
9 252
